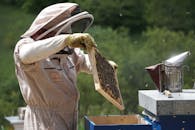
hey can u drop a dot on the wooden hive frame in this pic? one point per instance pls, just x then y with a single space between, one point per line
111 93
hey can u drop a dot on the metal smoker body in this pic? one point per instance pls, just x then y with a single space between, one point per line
173 78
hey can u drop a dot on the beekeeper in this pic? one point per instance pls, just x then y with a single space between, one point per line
47 60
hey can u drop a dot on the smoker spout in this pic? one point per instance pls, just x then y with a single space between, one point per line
155 72
177 60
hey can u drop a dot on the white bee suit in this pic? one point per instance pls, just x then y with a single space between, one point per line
49 86
47 79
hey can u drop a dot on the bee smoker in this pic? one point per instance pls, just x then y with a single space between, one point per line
168 75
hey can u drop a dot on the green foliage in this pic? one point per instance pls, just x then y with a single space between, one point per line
10 97
134 54
128 13
135 15
12 2
13 23
35 6
12 26
173 14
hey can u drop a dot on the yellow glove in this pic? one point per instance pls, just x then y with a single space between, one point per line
80 40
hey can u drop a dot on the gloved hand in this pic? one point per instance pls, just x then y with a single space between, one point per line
113 64
81 40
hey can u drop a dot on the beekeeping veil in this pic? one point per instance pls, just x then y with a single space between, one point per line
61 18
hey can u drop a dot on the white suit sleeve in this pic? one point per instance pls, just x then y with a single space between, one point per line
82 61
37 50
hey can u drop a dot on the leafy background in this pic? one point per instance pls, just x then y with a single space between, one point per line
133 33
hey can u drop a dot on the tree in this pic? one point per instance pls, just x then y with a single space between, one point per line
117 13
173 14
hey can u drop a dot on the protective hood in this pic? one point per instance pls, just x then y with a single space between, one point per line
59 18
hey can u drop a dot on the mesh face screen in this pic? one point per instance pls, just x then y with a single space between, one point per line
80 25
